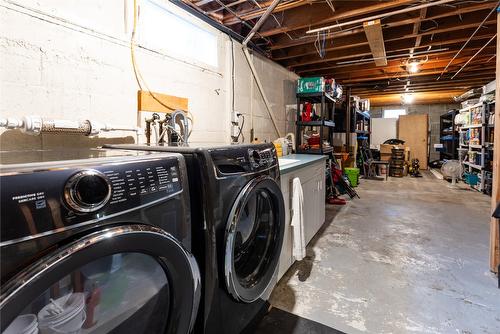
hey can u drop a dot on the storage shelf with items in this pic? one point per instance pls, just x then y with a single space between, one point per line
448 136
475 139
316 99
360 118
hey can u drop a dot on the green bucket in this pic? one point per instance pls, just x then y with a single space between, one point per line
353 175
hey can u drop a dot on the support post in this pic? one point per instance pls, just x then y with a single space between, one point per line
495 196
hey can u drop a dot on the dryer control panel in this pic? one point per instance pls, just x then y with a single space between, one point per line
261 158
54 198
234 160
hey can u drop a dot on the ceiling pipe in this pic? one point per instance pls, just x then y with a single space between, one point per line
474 56
261 21
252 32
380 16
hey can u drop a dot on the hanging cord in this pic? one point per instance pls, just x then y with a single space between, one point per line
320 44
137 73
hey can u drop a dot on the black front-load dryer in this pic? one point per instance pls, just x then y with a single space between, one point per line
96 241
238 226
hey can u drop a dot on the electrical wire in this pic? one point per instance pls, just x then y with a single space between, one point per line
467 42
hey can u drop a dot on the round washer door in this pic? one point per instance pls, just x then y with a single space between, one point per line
123 279
254 236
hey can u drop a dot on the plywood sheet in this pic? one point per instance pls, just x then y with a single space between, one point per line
373 31
413 129
157 102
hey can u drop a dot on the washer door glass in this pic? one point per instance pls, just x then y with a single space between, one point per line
125 279
253 239
123 293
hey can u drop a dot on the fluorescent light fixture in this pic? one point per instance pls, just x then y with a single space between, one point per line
407 98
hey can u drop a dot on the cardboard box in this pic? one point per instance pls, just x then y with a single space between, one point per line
386 151
385 157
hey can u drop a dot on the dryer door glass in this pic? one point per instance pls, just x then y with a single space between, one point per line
107 287
254 238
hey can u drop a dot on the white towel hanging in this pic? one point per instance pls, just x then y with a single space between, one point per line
299 241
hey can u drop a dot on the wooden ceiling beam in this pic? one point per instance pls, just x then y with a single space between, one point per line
400 68
483 70
299 37
320 14
393 49
229 5
399 65
424 98
416 82
394 43
247 15
438 36
423 88
431 79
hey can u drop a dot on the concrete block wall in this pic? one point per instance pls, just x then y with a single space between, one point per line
71 60
433 110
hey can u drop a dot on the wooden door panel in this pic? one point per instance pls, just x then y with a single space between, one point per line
413 129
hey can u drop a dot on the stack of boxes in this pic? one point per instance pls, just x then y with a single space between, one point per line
397 162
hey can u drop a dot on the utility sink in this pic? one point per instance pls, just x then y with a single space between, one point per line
285 161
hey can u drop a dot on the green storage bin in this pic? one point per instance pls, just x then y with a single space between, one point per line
311 85
353 175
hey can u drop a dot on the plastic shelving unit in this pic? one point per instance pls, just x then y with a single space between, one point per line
324 123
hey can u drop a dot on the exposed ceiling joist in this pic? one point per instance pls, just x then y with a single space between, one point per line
431 35
299 36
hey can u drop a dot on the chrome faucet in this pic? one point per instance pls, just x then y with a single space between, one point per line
185 126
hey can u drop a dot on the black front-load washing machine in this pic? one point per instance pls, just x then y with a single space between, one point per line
238 227
96 241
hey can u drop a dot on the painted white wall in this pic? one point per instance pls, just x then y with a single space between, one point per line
383 129
71 59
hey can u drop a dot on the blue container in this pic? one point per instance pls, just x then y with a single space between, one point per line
471 178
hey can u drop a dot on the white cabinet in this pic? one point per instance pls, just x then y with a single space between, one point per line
312 179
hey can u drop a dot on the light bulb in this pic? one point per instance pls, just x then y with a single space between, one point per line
407 98
412 67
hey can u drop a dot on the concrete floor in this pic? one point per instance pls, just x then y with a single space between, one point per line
410 256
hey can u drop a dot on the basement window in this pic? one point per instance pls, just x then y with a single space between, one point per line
161 30
394 113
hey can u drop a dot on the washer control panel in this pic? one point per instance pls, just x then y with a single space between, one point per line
57 197
134 182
